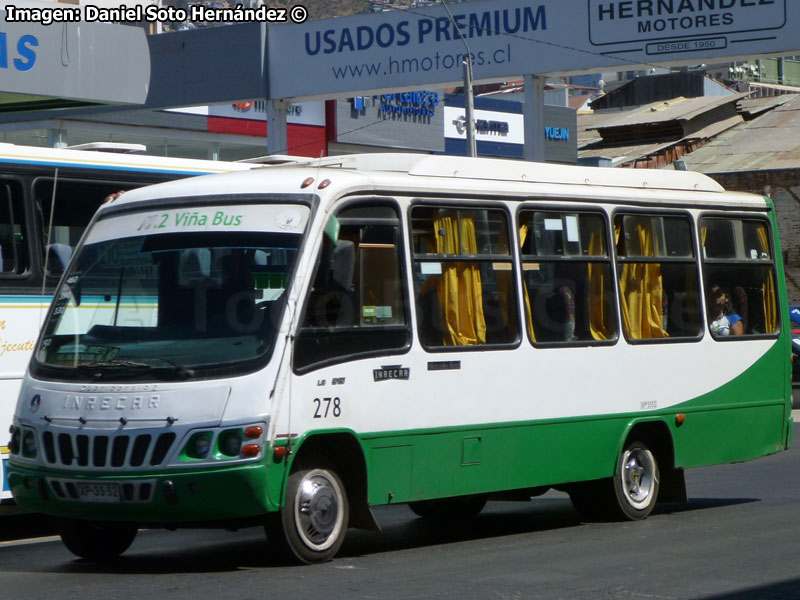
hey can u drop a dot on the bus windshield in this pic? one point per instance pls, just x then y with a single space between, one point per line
166 305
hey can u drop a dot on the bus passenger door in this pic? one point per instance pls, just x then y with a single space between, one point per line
352 378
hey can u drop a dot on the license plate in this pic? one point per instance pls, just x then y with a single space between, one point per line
98 492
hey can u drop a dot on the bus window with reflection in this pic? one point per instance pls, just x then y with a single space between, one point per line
658 277
356 304
13 245
739 272
568 286
63 216
464 277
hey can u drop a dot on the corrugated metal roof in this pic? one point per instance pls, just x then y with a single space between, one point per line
625 153
638 150
714 129
778 118
677 109
770 141
752 107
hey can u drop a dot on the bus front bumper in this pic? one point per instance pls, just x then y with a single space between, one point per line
232 493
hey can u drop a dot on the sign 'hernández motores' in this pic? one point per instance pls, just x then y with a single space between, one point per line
509 38
620 21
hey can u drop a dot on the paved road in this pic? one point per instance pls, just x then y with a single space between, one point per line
738 538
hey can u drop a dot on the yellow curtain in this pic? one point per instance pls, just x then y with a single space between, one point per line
460 285
598 313
641 287
523 235
768 287
506 283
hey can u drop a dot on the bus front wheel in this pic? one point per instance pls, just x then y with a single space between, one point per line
313 522
96 541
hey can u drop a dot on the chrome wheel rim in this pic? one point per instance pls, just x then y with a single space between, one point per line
318 510
638 473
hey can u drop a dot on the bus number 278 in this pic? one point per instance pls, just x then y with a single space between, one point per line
326 406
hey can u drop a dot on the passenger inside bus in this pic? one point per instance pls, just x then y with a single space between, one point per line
724 321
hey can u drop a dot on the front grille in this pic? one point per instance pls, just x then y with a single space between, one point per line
106 451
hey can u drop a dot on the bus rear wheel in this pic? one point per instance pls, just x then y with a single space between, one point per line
636 481
96 541
313 522
631 494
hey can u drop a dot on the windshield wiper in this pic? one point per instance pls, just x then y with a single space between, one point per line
100 368
113 364
131 368
174 367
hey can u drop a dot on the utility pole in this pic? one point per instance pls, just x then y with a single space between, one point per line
469 105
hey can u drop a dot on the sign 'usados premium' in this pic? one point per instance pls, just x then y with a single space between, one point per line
372 53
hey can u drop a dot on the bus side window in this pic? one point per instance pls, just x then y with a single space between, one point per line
658 279
739 272
13 249
75 203
464 277
357 302
568 292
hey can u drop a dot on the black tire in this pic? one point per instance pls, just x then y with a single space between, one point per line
464 507
96 541
311 526
628 496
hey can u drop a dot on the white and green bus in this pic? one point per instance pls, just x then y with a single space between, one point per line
290 347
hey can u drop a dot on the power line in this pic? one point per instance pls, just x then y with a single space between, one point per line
489 31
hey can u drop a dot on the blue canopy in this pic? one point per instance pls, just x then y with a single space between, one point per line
794 314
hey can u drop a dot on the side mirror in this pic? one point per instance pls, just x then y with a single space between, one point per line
332 230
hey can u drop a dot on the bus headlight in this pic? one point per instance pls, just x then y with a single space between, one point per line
224 445
29 444
230 442
199 445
